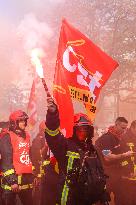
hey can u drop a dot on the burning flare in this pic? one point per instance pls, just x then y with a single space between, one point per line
36 54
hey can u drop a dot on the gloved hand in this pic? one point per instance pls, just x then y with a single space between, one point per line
52 107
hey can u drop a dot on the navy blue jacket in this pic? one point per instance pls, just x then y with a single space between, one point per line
68 154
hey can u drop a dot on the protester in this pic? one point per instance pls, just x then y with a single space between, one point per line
16 166
128 182
82 180
109 146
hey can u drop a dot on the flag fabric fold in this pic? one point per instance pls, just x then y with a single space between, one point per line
32 108
82 69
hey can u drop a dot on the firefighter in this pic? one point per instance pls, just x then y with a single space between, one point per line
40 158
16 165
74 156
113 153
3 128
128 181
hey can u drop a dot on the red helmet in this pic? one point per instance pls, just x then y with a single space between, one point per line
15 117
81 119
18 115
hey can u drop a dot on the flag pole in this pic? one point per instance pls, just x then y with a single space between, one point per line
45 87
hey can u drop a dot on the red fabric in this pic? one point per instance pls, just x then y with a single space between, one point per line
53 161
80 64
21 158
63 100
32 110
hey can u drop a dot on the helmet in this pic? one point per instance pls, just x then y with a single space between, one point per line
18 115
15 117
81 119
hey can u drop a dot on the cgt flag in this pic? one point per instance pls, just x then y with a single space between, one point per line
81 70
31 109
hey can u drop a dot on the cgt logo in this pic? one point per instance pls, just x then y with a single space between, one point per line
23 144
94 78
25 159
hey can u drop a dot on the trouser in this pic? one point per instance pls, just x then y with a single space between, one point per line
125 193
37 195
49 187
25 196
1 200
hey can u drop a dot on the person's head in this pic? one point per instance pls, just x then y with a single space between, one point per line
4 126
133 127
18 120
83 129
121 125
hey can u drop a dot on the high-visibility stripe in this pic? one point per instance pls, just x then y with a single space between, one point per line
52 132
26 186
6 187
64 194
8 172
72 156
46 162
33 168
129 178
42 170
19 179
39 175
56 168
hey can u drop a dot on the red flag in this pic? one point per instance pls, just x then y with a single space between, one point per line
81 71
31 110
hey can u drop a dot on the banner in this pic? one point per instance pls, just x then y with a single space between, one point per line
31 109
81 70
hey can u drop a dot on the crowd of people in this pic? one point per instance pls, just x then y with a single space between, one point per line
55 170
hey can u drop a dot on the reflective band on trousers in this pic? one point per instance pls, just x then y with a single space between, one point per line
52 132
8 172
71 156
26 186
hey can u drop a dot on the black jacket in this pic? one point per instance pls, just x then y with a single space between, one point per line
68 154
7 159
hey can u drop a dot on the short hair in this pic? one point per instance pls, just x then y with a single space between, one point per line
121 119
133 124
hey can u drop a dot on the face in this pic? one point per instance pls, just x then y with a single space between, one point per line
22 124
82 132
121 127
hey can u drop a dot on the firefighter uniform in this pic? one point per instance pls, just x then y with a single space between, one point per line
16 165
3 127
128 170
67 153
